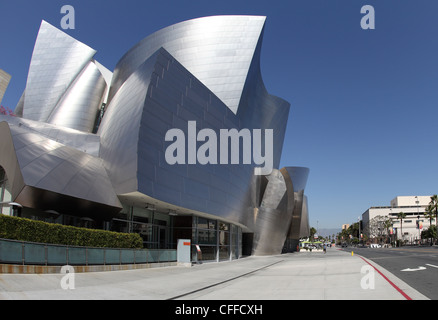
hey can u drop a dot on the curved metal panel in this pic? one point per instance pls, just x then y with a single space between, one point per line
272 218
56 61
305 227
48 175
119 130
159 96
176 96
78 108
205 70
259 109
298 176
9 161
85 142
217 50
49 165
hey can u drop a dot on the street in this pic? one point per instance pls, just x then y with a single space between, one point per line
417 266
336 275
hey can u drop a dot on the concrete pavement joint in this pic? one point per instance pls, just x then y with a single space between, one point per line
222 282
335 275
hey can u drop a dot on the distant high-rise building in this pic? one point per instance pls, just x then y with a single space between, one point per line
4 82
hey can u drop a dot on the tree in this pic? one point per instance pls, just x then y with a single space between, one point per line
351 234
312 232
387 224
377 228
429 214
434 206
401 216
343 236
429 233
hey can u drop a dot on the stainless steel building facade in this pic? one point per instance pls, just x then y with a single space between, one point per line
88 146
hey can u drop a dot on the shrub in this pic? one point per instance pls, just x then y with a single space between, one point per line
23 229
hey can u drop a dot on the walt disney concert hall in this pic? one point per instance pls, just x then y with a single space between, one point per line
88 146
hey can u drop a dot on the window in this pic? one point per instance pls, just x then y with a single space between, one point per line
217 240
5 194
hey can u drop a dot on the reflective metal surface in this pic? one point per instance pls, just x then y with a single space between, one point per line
299 226
82 141
217 50
138 117
205 70
305 227
64 85
175 96
48 175
272 216
79 105
280 214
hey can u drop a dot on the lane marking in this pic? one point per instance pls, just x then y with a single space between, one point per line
390 282
431 265
418 269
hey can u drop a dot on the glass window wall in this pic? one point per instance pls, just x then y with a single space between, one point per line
152 226
217 240
5 194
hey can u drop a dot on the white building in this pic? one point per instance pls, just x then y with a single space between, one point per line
413 206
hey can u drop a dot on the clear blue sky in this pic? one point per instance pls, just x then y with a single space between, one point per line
364 103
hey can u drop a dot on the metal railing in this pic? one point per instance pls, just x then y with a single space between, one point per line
30 253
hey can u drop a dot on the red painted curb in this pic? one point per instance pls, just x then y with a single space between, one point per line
390 282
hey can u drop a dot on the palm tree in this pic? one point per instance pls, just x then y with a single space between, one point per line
401 216
312 233
387 224
434 206
429 214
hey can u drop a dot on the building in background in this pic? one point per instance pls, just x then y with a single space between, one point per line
4 82
88 145
411 226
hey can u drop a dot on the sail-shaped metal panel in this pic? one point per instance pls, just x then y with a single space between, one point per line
217 50
57 59
78 107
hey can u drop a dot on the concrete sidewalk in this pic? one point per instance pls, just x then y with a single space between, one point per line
336 275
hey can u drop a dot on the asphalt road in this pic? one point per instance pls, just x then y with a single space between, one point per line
417 266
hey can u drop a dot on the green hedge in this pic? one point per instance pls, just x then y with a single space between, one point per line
37 231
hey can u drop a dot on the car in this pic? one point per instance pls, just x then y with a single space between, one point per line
344 245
